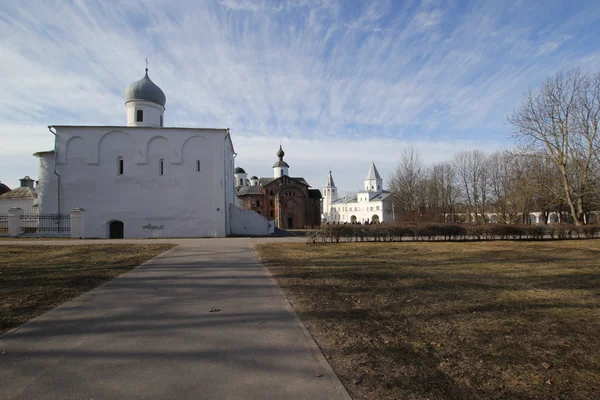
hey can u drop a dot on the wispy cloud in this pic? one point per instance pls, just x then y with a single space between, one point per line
328 72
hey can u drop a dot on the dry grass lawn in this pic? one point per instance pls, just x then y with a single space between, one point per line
35 279
486 320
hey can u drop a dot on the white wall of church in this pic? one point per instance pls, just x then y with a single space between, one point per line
176 182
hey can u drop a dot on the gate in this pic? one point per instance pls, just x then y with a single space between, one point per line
4 224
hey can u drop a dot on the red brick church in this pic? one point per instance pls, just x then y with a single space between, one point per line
289 201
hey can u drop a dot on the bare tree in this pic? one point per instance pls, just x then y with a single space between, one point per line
408 184
472 174
560 121
442 193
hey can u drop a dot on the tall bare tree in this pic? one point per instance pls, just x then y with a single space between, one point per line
560 121
408 184
472 175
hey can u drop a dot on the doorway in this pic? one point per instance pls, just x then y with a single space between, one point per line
290 223
116 230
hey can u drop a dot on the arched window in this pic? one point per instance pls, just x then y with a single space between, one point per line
241 181
161 120
139 116
282 172
120 166
161 167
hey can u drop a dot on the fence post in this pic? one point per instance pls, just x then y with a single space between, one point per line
77 223
14 221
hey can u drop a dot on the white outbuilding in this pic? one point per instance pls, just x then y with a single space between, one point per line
140 179
372 204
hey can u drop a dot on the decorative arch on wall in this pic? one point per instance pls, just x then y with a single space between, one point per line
188 142
102 143
75 148
157 147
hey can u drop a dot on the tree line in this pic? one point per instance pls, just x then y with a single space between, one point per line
555 167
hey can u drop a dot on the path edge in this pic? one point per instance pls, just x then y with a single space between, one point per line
312 345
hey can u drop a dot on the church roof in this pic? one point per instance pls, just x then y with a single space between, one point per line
330 182
281 163
314 193
266 181
373 173
239 170
354 199
145 89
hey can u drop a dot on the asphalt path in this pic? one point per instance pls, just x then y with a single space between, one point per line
202 321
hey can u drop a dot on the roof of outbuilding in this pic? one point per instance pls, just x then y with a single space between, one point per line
20 193
248 190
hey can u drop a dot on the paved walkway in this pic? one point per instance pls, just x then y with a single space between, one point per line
149 334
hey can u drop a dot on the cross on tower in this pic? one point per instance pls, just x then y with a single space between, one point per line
146 64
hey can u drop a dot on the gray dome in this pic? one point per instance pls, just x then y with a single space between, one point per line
239 170
145 89
280 163
254 177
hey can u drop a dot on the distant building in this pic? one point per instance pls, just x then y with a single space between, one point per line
24 197
373 204
289 201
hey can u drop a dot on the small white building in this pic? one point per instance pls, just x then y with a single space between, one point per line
24 197
373 204
141 179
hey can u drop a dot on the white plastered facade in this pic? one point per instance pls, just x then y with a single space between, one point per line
370 205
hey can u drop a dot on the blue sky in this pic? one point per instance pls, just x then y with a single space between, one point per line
338 83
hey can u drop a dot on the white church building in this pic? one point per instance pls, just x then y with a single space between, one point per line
372 204
141 179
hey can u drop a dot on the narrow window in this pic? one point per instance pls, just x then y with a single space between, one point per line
161 167
197 165
161 120
241 181
120 167
281 172
271 213
139 116
258 203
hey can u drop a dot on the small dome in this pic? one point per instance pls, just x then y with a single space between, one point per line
239 170
146 90
280 163
280 153
254 177
4 188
